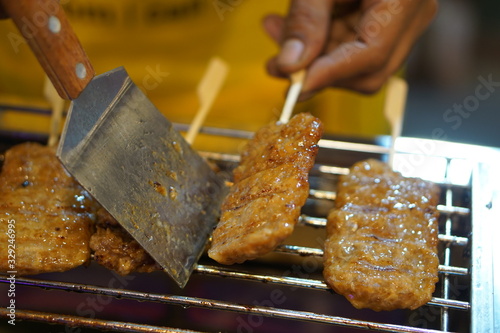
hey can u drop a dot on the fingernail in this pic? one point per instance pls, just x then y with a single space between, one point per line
291 52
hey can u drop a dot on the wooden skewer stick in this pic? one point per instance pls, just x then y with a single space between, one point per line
207 90
293 93
57 107
394 107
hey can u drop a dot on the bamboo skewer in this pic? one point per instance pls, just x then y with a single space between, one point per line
292 95
394 106
207 90
57 107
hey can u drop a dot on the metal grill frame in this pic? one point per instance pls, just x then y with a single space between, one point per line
484 210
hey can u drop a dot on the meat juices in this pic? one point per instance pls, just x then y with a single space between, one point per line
114 248
381 248
52 215
270 187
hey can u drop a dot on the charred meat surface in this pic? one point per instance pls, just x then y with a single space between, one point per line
381 248
270 187
115 249
52 215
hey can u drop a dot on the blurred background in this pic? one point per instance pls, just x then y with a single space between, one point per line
166 46
446 73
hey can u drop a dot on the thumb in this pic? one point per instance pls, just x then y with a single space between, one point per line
304 33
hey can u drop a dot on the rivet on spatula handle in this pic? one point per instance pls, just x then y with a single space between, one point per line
47 31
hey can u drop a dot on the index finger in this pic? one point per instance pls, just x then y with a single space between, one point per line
304 34
380 48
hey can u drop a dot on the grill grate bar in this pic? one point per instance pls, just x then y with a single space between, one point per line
320 194
443 209
95 323
456 240
320 222
195 301
304 283
447 269
333 170
26 109
282 280
300 250
353 146
217 131
220 156
323 143
314 252
449 209
186 301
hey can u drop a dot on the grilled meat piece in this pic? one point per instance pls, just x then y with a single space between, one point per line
381 249
52 215
270 188
115 249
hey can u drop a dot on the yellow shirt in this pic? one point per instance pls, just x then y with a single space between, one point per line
165 47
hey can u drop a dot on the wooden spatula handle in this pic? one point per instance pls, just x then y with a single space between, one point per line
46 29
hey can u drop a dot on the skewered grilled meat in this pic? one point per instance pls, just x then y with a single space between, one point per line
270 188
115 249
52 216
381 250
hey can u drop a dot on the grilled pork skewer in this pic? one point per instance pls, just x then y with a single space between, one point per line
51 214
270 187
381 248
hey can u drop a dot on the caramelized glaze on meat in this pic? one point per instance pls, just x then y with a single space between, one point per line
115 249
52 214
381 250
270 188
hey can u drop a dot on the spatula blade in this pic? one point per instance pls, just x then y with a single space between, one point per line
139 168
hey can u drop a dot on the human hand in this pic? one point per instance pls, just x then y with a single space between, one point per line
351 44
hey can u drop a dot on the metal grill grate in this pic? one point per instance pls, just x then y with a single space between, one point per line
455 302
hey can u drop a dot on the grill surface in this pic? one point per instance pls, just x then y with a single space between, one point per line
295 296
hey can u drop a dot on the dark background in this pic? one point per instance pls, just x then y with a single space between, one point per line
444 70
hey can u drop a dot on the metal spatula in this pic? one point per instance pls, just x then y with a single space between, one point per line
122 149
